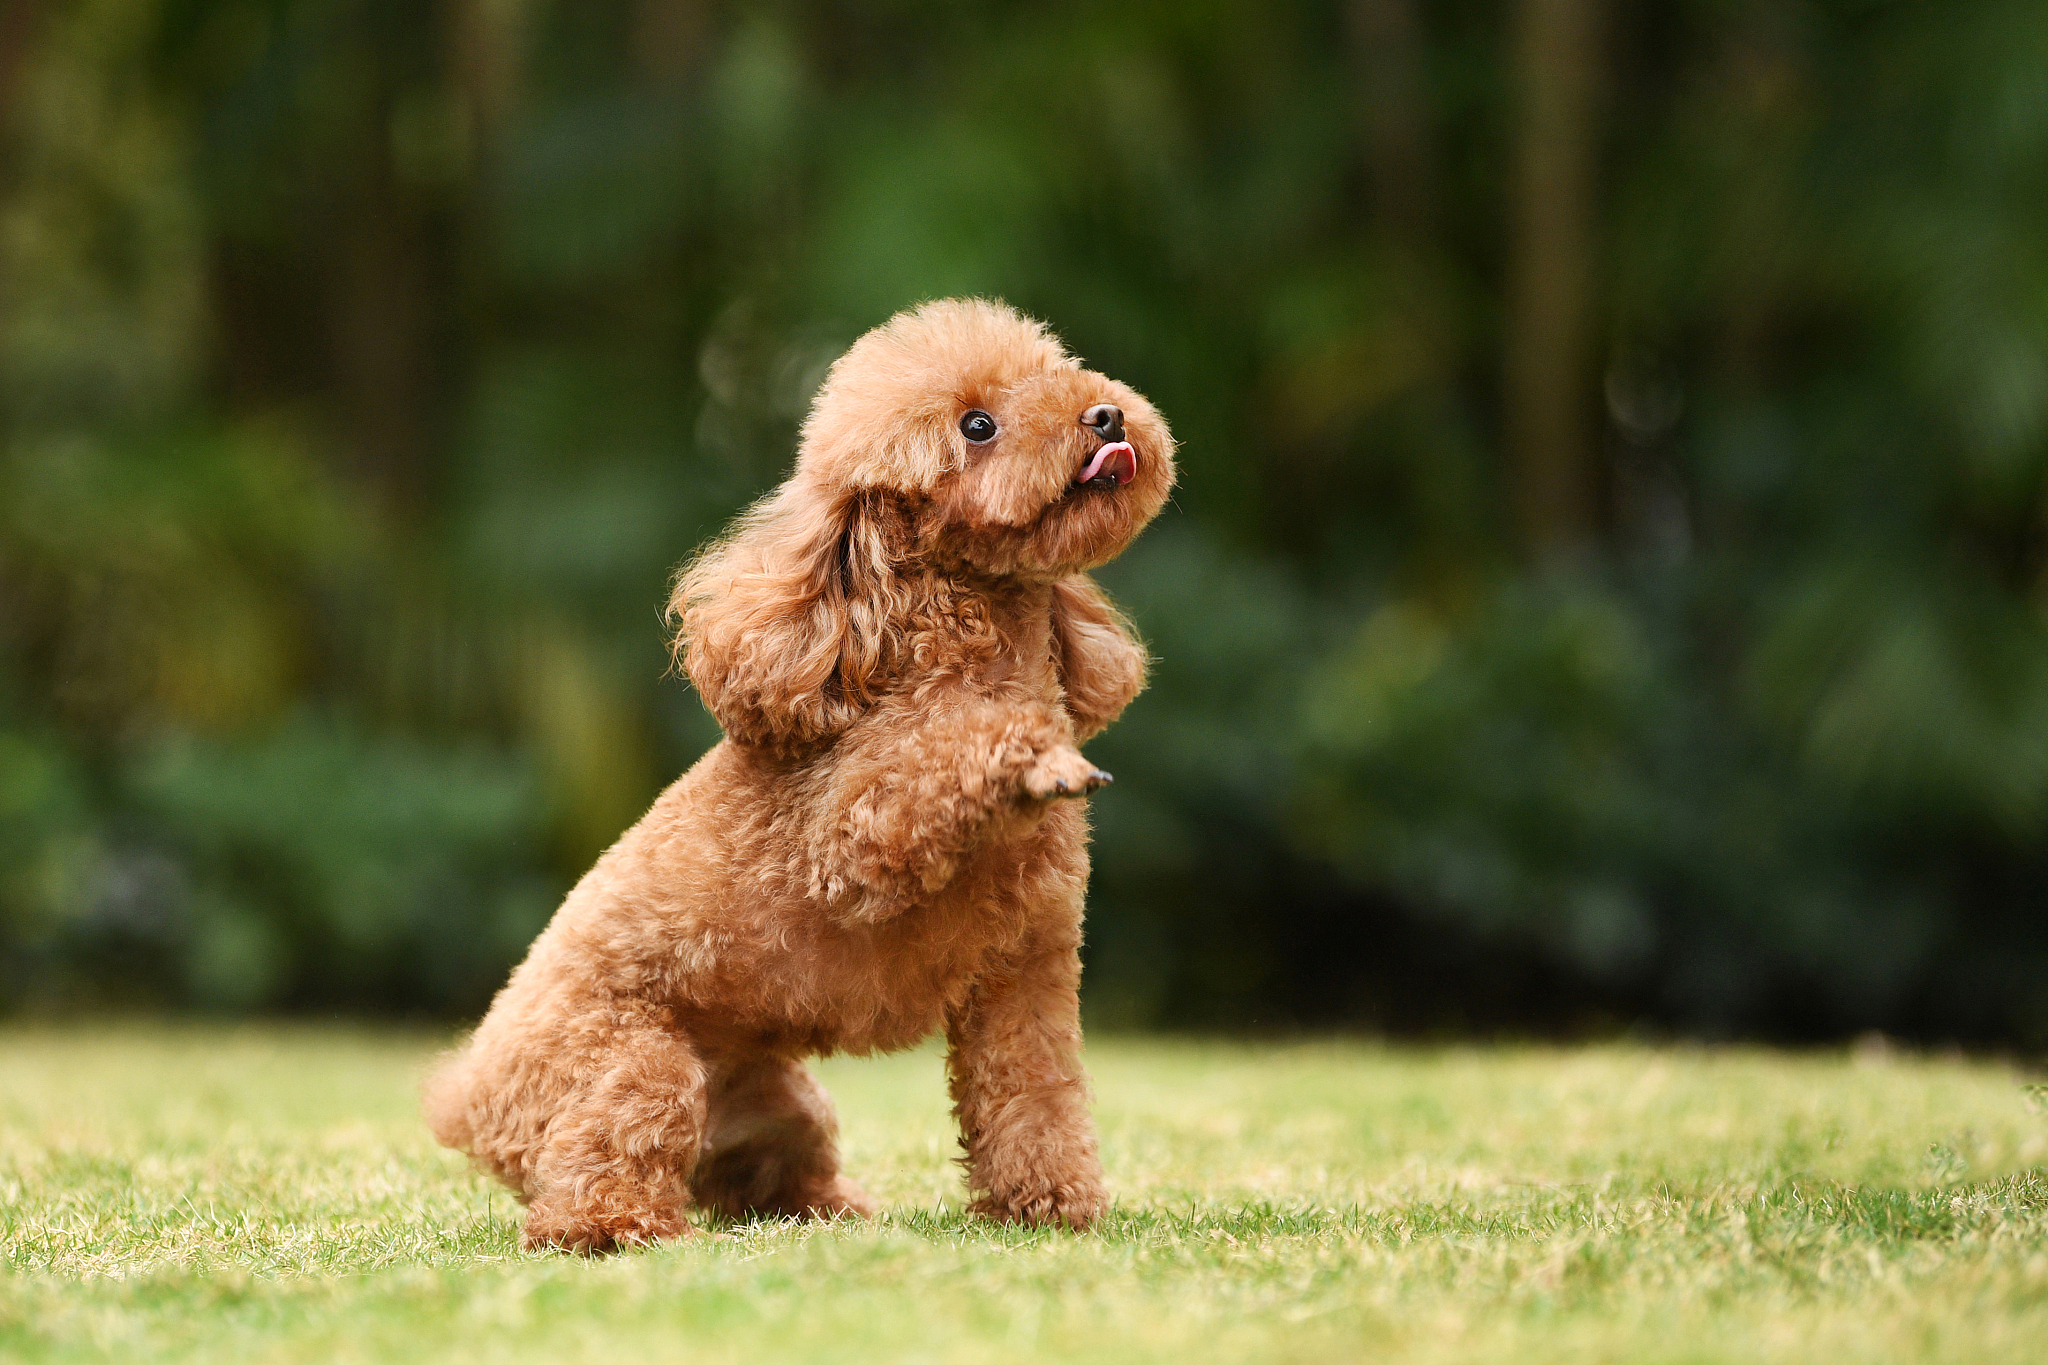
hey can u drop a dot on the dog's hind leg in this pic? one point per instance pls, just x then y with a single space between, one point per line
774 1146
614 1165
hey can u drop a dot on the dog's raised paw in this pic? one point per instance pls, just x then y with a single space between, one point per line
1063 772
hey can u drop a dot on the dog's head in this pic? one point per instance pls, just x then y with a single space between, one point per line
1013 459
958 437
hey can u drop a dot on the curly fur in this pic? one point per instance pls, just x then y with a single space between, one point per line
904 649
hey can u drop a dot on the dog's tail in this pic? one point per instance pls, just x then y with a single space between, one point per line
445 1097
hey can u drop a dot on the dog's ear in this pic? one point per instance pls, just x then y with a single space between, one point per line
1102 665
785 625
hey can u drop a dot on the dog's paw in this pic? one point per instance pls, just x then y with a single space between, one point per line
548 1229
1062 772
1074 1207
844 1199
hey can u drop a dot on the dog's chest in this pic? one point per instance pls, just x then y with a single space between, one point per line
892 984
999 639
812 982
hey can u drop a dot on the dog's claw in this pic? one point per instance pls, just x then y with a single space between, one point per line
1062 773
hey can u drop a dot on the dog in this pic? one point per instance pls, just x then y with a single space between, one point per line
905 651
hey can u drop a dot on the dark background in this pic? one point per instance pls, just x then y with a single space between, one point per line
1606 586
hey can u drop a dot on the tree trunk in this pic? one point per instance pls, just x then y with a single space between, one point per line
488 41
1387 48
669 38
1550 274
381 316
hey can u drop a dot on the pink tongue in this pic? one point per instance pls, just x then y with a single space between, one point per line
1116 460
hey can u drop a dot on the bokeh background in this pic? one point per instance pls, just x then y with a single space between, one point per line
1606 588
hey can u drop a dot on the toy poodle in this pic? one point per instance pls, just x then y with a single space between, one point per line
905 650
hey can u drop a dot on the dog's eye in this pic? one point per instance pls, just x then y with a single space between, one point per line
978 427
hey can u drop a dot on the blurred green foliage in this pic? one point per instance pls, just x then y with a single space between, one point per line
1607 580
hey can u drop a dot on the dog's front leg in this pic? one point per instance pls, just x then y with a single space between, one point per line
910 791
1014 1068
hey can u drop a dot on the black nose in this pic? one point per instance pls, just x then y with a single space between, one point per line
1105 421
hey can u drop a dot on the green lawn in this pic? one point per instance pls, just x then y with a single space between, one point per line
268 1194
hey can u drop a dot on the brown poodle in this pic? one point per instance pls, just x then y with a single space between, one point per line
904 649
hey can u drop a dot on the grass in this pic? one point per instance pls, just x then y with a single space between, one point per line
269 1195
